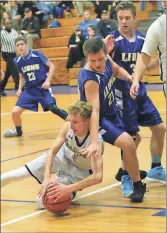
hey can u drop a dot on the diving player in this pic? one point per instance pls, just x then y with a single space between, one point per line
72 168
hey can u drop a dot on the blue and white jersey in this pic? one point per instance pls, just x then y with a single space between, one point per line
125 55
33 68
106 88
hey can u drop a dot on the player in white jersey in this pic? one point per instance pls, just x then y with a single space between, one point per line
73 170
155 39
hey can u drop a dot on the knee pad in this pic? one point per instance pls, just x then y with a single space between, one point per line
61 113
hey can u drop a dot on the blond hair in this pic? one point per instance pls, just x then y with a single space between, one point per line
84 109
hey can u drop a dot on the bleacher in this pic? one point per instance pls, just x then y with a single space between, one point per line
53 44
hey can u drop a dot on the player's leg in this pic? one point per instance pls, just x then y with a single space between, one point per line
16 116
113 133
48 103
25 101
150 117
17 174
157 172
34 168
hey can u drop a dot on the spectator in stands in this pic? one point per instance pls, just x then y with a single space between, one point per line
13 8
30 28
80 6
87 20
159 6
42 12
92 32
106 25
113 14
75 44
8 36
5 16
100 6
64 6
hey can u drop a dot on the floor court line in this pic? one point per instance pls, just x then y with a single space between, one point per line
75 199
95 205
24 155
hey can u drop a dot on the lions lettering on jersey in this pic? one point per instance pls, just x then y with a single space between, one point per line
33 67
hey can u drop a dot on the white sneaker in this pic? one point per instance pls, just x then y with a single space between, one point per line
10 133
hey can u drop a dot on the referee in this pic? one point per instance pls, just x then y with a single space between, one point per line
8 36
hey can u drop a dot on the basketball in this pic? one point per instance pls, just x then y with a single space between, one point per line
57 208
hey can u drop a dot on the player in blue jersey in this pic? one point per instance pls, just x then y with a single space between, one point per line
141 111
96 85
36 72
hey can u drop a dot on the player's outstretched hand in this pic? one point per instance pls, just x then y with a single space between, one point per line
109 43
58 191
46 84
92 149
134 90
46 183
18 93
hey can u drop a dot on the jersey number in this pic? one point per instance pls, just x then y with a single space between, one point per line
31 76
110 98
132 66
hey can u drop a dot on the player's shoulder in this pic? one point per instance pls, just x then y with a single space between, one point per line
85 73
17 59
140 36
35 53
117 36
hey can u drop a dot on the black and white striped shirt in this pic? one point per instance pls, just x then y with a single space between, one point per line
8 40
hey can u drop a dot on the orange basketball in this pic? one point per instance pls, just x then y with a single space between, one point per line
57 208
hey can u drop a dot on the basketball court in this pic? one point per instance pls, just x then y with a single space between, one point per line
100 208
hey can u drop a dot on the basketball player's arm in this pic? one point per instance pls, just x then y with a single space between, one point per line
51 67
51 156
92 96
120 72
150 46
154 63
2 75
21 84
95 178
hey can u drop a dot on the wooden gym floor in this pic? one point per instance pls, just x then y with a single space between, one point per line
97 209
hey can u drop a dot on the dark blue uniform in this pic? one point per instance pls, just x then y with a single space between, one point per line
140 111
111 126
33 68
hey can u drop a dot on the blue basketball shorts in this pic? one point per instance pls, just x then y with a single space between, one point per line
147 113
29 99
111 128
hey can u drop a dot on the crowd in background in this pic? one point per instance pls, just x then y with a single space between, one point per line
28 17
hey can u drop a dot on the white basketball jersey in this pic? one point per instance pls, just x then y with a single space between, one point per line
156 39
72 147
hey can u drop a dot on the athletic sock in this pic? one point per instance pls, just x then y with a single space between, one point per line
19 130
14 175
156 161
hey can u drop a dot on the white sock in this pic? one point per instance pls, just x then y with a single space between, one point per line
15 175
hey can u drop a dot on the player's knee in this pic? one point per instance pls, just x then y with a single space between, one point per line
16 112
159 130
125 142
138 138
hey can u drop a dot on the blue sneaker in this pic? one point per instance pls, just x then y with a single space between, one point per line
156 175
126 186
